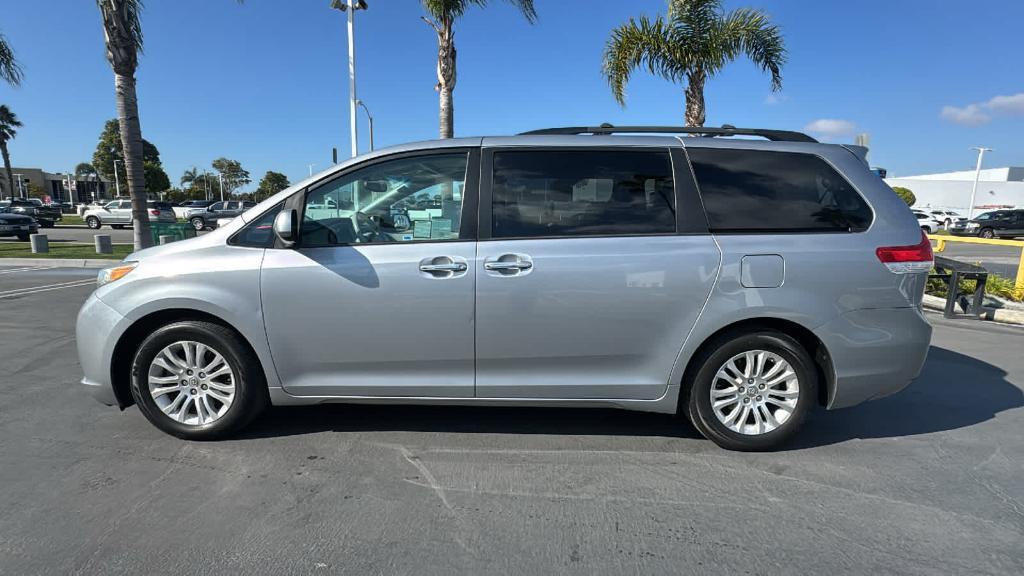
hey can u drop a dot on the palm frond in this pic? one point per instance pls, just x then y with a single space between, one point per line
9 123
9 69
750 32
455 9
639 42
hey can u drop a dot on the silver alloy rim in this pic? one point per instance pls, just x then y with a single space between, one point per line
191 383
755 392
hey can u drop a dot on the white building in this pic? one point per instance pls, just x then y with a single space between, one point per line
997 188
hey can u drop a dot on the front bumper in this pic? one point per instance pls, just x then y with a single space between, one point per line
874 353
97 332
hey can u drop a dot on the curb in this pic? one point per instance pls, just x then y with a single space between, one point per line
61 262
996 315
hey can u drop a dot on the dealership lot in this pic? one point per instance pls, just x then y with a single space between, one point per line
927 481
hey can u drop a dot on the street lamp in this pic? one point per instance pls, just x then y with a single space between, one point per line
117 179
350 7
370 118
977 176
311 169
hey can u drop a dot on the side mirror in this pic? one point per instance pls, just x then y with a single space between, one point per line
210 209
286 227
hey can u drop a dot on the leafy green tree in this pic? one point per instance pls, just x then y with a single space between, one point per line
442 17
905 194
9 125
231 173
109 149
10 71
271 183
156 178
693 43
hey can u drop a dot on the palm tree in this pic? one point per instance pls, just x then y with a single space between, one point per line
9 69
695 41
9 125
122 31
443 14
190 177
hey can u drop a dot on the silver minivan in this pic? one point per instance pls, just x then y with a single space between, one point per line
737 281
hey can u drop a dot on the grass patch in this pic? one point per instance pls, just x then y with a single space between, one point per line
72 219
73 251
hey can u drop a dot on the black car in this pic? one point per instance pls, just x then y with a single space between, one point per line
17 225
34 208
996 224
202 219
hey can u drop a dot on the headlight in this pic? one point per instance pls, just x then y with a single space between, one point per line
108 275
972 224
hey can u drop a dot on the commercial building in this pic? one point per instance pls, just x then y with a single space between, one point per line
83 189
997 188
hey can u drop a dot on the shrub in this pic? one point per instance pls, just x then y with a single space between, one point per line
905 194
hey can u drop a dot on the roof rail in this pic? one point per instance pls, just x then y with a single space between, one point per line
725 130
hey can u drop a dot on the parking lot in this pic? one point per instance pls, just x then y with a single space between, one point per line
927 481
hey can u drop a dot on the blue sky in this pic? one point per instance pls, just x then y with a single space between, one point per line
265 82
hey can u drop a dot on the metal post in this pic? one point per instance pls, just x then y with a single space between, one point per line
117 179
20 187
40 243
352 76
369 117
977 176
220 178
103 244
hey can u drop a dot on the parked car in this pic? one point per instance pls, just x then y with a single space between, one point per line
17 225
946 217
183 209
927 222
201 219
118 214
736 281
995 224
45 215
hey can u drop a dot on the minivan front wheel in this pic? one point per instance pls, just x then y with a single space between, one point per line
987 233
752 392
197 380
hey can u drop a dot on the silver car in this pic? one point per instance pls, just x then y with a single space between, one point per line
118 214
739 282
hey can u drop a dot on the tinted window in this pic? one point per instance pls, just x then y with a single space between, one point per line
753 190
260 232
217 206
413 199
582 193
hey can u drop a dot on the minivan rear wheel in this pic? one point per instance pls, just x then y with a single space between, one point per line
197 380
752 392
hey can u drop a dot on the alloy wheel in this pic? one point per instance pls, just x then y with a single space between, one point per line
755 392
191 383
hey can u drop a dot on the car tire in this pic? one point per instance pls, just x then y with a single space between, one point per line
198 223
199 392
926 229
93 223
24 237
987 233
758 396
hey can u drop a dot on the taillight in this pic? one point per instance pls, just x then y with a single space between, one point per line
154 212
907 259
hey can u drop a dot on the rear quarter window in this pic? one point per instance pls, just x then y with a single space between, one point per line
748 191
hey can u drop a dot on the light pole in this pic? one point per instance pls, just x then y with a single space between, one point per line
311 169
370 119
350 6
220 178
21 189
977 176
117 179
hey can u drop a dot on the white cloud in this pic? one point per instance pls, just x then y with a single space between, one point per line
970 115
831 127
773 99
1007 104
981 112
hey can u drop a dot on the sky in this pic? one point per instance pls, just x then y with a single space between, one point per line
265 82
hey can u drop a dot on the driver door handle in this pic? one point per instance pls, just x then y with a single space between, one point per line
452 267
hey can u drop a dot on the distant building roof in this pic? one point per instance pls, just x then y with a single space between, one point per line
1008 174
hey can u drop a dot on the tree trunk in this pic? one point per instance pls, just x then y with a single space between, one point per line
7 167
131 141
446 77
695 99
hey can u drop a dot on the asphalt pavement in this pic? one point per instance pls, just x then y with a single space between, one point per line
928 481
1002 260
